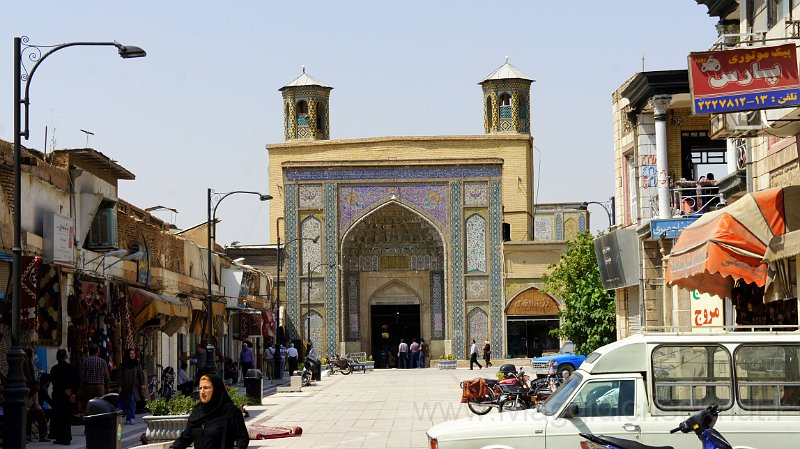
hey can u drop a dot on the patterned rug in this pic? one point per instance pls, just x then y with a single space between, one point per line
271 432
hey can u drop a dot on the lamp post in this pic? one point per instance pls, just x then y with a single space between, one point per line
214 199
308 299
609 212
278 369
15 389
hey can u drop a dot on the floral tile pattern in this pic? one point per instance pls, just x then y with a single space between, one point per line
290 250
316 328
352 305
331 261
478 327
477 288
476 244
437 305
310 196
495 236
476 194
310 252
317 289
457 282
429 199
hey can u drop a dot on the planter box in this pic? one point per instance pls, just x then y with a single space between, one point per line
447 364
164 428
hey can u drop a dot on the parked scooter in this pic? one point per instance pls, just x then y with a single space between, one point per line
701 423
311 363
340 364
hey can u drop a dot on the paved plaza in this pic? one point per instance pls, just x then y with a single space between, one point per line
380 409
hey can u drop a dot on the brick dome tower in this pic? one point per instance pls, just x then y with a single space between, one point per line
506 101
305 108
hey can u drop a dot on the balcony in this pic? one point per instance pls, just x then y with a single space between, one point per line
689 200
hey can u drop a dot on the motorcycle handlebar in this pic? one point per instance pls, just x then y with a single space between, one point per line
675 430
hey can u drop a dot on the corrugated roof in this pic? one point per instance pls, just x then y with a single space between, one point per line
306 80
507 71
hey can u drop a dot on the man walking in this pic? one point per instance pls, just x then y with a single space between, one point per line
291 356
246 359
402 354
94 376
414 348
473 355
65 388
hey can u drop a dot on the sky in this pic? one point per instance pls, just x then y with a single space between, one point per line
199 110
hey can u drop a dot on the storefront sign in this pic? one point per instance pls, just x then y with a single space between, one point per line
707 312
743 79
670 228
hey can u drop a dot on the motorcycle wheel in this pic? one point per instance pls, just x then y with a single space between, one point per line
306 379
347 370
484 406
512 404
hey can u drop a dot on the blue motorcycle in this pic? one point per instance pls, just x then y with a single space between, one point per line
701 423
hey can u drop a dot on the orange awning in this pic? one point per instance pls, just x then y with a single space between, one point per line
146 305
730 243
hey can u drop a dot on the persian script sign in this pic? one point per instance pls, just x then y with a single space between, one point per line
532 302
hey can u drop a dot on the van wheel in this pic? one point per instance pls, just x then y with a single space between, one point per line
565 370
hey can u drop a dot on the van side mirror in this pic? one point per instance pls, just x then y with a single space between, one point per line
571 411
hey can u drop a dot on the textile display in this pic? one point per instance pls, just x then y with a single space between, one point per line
30 291
49 306
271 432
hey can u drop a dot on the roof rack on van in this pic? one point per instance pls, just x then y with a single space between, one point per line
711 330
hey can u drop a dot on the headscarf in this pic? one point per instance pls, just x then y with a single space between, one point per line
216 406
128 362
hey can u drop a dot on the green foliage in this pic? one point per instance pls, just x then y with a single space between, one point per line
588 315
300 366
369 358
239 400
449 357
323 361
178 405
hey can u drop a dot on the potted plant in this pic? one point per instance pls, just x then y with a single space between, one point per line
369 363
447 362
168 418
323 365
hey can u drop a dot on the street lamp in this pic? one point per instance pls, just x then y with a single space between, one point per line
308 315
277 372
216 198
585 206
15 389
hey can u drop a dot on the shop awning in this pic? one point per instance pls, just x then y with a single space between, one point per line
199 315
731 243
146 305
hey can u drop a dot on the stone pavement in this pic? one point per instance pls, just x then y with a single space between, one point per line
380 409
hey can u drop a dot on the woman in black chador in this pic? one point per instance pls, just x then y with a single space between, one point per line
216 423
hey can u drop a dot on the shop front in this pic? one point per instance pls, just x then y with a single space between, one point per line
530 316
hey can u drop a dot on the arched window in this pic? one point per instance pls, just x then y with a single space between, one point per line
489 114
523 107
302 113
505 105
321 117
288 117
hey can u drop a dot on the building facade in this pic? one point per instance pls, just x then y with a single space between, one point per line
393 238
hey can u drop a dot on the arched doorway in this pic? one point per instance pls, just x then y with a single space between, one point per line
530 316
392 276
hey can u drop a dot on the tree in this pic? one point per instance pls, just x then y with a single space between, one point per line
588 315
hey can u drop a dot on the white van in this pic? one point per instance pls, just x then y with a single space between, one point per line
642 386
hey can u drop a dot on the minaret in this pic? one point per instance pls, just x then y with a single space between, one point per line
305 108
506 101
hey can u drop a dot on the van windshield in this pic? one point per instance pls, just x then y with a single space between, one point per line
556 400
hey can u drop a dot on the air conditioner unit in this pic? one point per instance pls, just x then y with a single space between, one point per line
736 124
103 233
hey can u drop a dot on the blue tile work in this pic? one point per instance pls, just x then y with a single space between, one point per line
559 226
581 223
495 229
437 305
331 261
316 328
352 306
476 244
360 174
457 268
478 324
292 291
430 200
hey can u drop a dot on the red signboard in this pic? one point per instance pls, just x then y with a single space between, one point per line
744 79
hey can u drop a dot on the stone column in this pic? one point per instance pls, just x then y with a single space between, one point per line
660 106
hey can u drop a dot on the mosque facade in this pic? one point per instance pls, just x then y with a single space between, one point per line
391 238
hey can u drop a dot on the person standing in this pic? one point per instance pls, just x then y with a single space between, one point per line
473 355
246 359
216 422
94 376
132 385
284 354
414 348
423 352
269 361
185 384
65 388
402 354
487 354
291 356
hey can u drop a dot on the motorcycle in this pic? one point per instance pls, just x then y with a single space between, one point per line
311 363
701 423
497 391
340 364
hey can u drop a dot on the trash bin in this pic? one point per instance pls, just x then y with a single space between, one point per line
253 386
103 423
